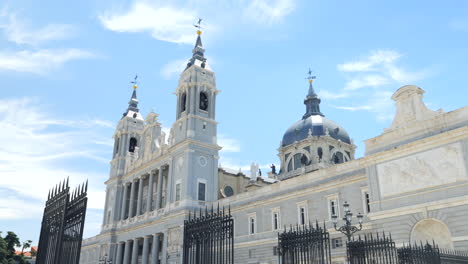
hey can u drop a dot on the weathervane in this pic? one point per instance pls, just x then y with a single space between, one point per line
135 82
310 77
198 25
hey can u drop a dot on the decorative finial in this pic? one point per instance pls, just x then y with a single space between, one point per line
198 25
310 77
135 82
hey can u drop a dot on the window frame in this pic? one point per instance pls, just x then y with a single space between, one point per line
365 203
178 192
204 182
251 217
335 198
275 211
302 205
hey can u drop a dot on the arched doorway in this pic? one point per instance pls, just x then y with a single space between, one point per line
431 229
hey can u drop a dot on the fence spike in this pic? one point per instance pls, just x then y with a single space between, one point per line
67 180
86 187
229 209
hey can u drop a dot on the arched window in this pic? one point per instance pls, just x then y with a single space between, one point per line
338 158
203 101
133 144
320 153
183 102
290 167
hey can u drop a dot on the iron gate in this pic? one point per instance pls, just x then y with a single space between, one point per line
304 244
62 225
209 238
371 249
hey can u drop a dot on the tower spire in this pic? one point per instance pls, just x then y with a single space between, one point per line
133 103
198 52
311 101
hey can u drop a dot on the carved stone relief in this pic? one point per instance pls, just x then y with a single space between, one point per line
174 239
431 168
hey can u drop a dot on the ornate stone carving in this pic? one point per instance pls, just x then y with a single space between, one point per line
410 107
431 168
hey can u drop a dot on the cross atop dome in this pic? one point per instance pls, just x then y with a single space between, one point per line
311 101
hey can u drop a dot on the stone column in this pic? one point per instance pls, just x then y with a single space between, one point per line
155 249
135 251
164 248
159 197
127 252
124 202
120 246
132 197
140 196
150 192
145 250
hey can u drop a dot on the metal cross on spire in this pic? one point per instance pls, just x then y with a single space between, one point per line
198 25
135 82
310 77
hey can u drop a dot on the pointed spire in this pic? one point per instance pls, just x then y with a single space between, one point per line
133 103
198 52
311 101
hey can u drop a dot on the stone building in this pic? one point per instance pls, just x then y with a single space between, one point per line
412 181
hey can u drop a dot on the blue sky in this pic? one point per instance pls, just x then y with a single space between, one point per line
65 68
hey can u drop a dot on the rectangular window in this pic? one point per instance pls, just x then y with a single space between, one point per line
302 215
275 251
252 225
251 253
337 243
367 201
333 207
201 191
275 219
177 192
302 212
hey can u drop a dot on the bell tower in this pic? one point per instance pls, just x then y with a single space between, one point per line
195 130
127 136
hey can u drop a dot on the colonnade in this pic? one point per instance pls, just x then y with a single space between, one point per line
148 248
133 205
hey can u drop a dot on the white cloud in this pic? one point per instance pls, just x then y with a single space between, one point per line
41 61
35 145
376 76
174 67
269 11
163 22
173 22
19 33
371 80
228 144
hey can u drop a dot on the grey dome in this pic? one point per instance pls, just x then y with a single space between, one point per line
318 126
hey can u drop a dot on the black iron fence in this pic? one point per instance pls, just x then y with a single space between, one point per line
305 244
62 225
209 238
380 249
370 249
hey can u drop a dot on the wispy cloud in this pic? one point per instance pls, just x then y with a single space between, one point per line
173 22
173 68
20 33
35 148
162 22
371 80
228 144
41 61
269 11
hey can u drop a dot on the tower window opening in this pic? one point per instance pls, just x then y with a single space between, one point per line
183 102
320 153
133 144
338 158
201 191
203 101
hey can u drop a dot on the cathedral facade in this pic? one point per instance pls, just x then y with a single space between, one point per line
412 181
